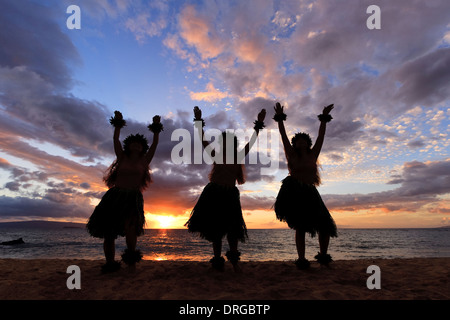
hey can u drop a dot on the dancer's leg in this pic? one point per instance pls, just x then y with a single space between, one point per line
300 243
324 240
109 249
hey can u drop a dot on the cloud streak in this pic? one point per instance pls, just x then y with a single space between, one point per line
420 184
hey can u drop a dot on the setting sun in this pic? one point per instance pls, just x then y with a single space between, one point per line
164 221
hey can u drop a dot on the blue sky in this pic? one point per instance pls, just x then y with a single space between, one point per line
385 159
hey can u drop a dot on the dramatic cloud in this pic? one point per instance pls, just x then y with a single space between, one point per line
32 55
389 86
37 109
198 31
420 184
308 54
423 80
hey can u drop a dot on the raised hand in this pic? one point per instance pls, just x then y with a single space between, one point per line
327 109
156 127
197 113
156 119
278 108
262 115
117 121
118 115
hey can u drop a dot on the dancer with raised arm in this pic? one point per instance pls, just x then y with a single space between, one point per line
121 210
298 202
218 210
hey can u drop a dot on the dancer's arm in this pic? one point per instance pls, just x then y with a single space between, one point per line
259 124
198 117
324 118
117 145
151 151
287 145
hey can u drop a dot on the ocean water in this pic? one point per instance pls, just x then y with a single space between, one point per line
262 245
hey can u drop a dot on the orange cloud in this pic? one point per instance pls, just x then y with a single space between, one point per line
249 50
210 95
197 31
4 162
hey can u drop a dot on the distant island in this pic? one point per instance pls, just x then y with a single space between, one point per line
42 224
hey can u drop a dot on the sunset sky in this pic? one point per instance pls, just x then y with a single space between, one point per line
385 161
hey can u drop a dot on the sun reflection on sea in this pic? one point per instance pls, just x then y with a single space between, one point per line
160 257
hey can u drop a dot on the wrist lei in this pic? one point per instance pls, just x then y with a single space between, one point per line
279 117
117 123
155 127
324 117
259 125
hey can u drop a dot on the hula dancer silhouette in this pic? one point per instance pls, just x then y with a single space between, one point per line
218 210
121 209
298 202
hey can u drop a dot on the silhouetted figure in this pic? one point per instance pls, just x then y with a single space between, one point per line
121 210
298 201
218 210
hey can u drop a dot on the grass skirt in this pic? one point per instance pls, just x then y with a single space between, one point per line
301 206
117 209
218 213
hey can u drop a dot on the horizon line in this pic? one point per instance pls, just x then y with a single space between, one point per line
339 227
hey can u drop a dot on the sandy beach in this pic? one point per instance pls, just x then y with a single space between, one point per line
401 279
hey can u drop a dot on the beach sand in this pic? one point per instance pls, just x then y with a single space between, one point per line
401 279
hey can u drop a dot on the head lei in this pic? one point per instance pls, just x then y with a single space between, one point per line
302 135
139 138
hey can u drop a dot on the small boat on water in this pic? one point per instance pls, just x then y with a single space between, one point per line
13 242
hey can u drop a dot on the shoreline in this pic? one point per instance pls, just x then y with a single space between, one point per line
400 279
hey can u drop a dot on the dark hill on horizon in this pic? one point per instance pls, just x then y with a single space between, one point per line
41 224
